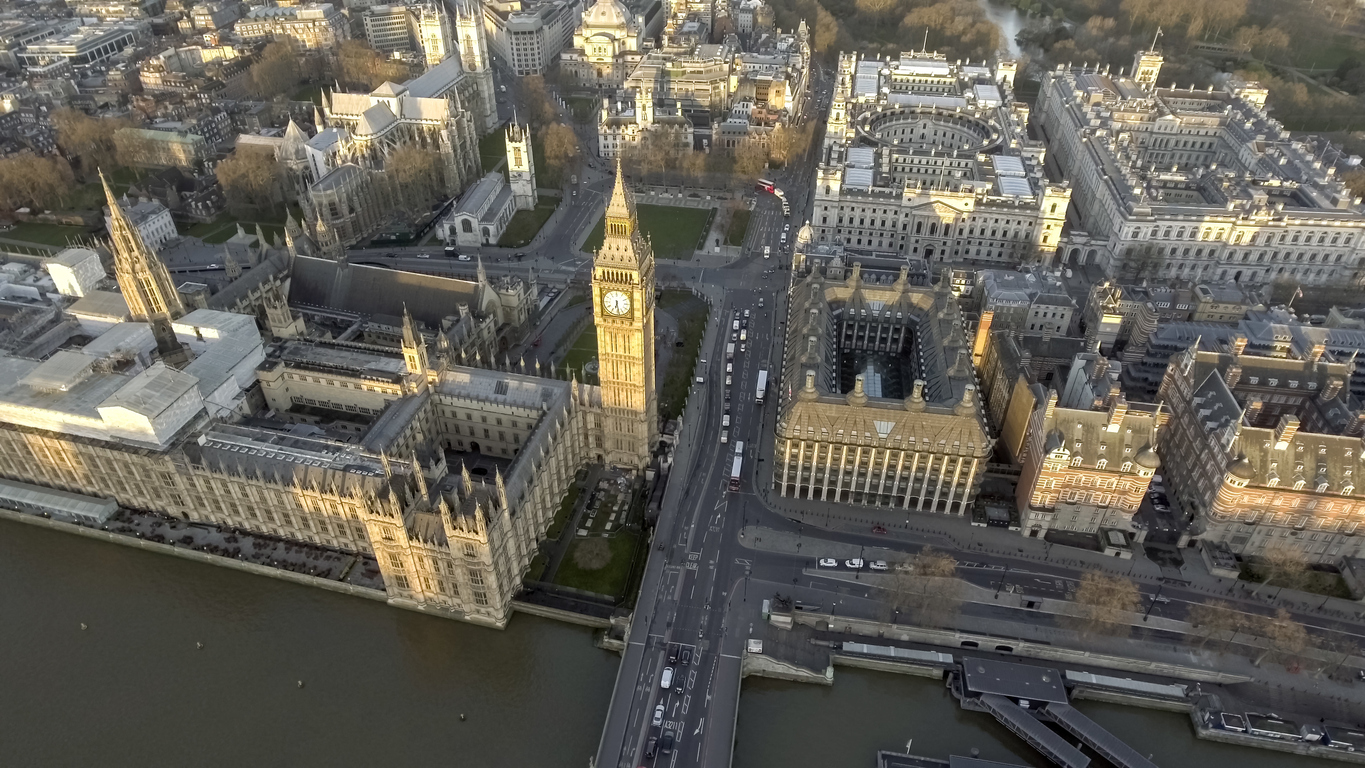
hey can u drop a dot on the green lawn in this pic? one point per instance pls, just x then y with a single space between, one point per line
86 197
584 108
674 231
493 150
690 312
221 229
739 226
311 93
609 580
583 351
47 234
526 224
1316 582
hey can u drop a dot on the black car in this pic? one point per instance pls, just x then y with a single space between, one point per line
651 747
686 656
672 653
666 743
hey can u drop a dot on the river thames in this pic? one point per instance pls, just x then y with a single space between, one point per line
387 686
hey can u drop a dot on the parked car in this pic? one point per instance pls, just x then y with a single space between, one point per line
423 255
658 715
878 529
877 565
463 257
828 562
855 563
666 681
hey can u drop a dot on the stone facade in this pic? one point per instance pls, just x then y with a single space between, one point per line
877 404
928 159
1194 184
1262 452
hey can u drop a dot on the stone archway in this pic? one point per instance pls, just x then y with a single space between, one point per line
474 447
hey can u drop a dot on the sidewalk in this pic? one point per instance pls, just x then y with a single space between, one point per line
959 535
1275 687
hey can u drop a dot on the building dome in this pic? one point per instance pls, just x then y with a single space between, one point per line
1147 459
1241 468
606 14
805 235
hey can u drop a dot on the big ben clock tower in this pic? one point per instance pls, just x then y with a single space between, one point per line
623 310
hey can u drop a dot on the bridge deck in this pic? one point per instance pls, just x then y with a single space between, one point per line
1109 746
1039 736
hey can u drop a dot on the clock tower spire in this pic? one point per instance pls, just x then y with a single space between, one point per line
623 310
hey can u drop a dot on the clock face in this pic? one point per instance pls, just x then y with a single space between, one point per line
616 303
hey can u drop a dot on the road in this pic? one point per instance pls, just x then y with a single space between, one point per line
695 594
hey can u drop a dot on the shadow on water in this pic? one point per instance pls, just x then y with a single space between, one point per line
382 685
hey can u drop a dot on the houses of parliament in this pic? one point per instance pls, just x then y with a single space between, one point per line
190 412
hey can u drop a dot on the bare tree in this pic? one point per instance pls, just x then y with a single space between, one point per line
415 173
1285 638
277 71
88 141
1106 603
535 97
362 66
252 181
1285 565
1213 619
928 589
32 181
751 158
560 146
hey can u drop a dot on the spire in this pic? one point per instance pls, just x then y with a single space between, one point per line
414 345
418 476
482 275
622 203
144 281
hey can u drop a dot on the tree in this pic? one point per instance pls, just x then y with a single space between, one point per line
535 97
1285 637
415 174
1215 618
1106 604
592 554
693 165
276 72
34 182
1285 565
751 158
928 589
825 32
252 181
86 140
1355 181
560 148
361 66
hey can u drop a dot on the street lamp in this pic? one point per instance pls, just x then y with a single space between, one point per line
1001 585
858 572
1152 604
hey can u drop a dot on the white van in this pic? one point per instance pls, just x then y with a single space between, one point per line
666 681
767 251
725 420
725 435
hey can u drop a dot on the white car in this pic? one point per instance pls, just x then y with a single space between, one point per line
877 565
423 255
658 715
666 681
855 563
463 257
828 562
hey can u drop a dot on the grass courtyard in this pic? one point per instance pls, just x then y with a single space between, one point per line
739 227
675 232
611 579
526 224
48 234
493 149
583 351
221 229
690 312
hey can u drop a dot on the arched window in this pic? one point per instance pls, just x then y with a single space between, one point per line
466 225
